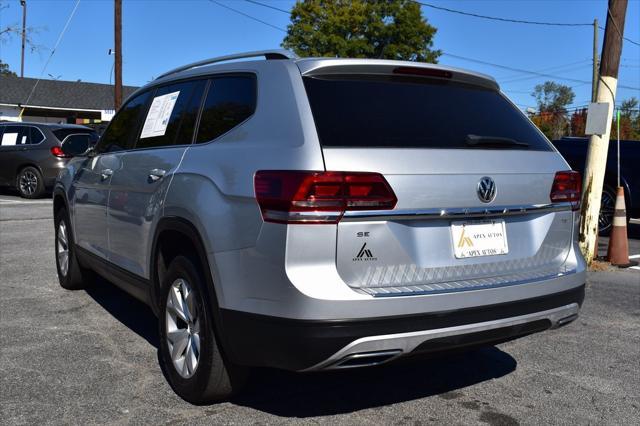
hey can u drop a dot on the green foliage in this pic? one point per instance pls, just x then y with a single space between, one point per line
4 69
383 29
552 99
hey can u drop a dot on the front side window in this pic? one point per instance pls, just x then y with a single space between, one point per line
230 101
122 130
172 114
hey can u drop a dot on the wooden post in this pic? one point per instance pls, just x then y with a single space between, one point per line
599 144
118 51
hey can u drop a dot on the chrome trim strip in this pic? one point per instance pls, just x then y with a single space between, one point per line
407 342
309 216
455 213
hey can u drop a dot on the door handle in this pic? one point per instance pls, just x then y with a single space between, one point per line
156 174
106 173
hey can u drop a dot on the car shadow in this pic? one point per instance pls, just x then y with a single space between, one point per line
304 395
131 312
337 392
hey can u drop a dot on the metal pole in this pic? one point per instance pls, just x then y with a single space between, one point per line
618 133
594 79
23 3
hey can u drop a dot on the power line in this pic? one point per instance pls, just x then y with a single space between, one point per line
53 51
529 72
518 21
495 18
269 6
248 16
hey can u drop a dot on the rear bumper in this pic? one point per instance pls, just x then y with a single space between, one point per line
51 168
291 344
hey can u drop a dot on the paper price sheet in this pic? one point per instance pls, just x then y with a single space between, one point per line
158 115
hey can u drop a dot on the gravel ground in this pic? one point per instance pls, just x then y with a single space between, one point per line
91 357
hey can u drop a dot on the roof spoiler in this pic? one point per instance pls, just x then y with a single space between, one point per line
335 66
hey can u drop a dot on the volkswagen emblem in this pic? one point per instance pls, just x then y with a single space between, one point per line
486 189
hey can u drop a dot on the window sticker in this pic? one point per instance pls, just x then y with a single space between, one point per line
158 115
9 139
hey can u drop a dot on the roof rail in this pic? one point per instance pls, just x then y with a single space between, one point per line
268 54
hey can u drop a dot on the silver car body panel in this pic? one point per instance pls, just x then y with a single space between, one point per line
307 272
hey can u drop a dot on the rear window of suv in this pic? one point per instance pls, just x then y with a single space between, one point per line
408 112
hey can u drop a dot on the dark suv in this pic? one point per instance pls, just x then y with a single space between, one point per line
31 155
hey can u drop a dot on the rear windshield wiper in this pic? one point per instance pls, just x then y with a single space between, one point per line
493 141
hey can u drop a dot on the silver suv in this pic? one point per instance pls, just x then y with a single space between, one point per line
315 214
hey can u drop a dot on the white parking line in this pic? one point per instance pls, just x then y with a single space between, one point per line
21 202
634 256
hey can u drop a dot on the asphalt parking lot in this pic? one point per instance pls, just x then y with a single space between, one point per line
91 357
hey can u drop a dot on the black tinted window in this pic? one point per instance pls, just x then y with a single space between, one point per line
122 130
413 113
63 133
36 136
175 126
230 101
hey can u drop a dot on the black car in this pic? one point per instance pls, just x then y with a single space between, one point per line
574 150
31 154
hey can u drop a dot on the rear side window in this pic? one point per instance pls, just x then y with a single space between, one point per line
230 101
36 136
405 112
122 130
63 133
171 117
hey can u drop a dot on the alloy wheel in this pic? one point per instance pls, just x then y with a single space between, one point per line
28 182
62 248
183 328
607 208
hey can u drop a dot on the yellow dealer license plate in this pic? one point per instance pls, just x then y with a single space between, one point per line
479 238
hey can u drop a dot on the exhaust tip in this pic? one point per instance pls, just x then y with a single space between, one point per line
366 359
566 320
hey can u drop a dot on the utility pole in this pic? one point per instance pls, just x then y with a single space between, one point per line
599 144
23 3
594 80
118 59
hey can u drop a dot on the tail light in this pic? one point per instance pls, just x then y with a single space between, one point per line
57 151
319 197
567 187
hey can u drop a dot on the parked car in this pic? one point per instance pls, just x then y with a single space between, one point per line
31 154
574 150
320 214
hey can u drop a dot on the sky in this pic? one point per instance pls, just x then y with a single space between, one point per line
160 35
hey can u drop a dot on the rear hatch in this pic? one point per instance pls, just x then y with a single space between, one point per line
471 174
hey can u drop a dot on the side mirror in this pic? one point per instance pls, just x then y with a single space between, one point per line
76 145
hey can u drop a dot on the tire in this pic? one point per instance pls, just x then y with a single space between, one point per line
189 333
71 275
607 208
29 183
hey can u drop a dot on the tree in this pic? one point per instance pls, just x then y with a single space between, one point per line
389 29
11 30
578 122
630 119
552 99
4 69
